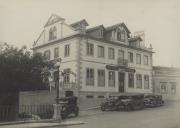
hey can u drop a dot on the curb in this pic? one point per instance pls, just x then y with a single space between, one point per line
66 123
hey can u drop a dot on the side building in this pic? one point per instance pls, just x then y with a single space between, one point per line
104 60
166 81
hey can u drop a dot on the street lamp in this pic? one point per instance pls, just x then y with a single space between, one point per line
57 106
57 78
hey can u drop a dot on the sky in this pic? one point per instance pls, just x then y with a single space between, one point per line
21 21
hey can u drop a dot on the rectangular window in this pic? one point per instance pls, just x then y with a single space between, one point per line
100 51
90 49
56 52
173 88
146 60
131 80
66 75
121 54
66 50
111 79
89 77
121 36
138 58
146 81
101 78
111 53
164 88
130 57
47 54
139 80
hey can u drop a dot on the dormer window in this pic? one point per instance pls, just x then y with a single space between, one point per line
52 33
121 36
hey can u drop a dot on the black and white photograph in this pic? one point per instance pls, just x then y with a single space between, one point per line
89 64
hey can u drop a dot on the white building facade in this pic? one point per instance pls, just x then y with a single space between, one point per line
104 60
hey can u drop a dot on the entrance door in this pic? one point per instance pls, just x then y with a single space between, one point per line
121 81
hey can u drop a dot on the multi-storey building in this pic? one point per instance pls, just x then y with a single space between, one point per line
166 81
104 60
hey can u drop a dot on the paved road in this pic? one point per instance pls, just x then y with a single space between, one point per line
161 117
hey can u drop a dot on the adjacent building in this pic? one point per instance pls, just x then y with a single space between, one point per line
98 61
166 81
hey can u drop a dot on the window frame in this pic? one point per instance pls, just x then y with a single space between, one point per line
101 51
89 49
148 80
131 85
67 50
138 55
146 60
49 54
90 77
111 81
99 82
111 53
139 81
56 52
130 58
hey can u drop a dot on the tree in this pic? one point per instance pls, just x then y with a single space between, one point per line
22 71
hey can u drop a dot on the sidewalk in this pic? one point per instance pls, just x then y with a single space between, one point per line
50 122
42 125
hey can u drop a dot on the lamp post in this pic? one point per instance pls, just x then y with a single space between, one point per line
57 106
57 78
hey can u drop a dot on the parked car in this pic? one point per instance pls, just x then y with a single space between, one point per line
131 101
110 104
69 106
151 100
127 102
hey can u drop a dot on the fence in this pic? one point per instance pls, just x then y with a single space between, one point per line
26 112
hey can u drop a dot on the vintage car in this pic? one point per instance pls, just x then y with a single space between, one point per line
131 101
110 104
69 106
124 102
151 100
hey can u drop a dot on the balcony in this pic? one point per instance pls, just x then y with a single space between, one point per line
122 62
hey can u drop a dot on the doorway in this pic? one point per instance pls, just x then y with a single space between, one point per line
121 76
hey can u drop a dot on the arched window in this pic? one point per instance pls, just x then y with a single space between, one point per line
52 33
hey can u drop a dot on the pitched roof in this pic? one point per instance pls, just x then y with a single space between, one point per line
81 21
94 28
53 19
117 25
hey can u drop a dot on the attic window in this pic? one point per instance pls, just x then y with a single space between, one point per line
121 35
52 33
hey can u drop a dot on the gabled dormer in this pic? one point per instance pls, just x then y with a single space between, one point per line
135 41
54 29
80 25
96 32
117 33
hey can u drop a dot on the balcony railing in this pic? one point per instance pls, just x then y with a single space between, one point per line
122 62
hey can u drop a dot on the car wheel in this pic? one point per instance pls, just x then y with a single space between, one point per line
102 108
